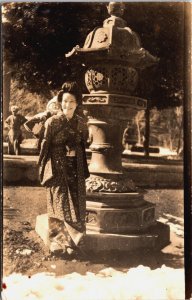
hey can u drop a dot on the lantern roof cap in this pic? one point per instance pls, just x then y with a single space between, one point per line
114 42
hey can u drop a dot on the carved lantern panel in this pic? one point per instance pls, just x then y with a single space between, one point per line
115 79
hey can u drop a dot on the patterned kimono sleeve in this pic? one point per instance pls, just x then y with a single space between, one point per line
45 144
83 129
85 133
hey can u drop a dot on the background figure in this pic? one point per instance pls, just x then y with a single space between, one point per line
36 123
130 135
63 170
14 123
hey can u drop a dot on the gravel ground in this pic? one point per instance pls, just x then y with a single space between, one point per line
25 253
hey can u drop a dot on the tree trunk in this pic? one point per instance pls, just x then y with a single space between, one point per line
179 138
138 131
147 132
6 89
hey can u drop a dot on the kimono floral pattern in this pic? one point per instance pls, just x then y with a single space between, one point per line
65 187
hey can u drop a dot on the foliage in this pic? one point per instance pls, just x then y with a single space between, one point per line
37 36
29 103
166 127
161 29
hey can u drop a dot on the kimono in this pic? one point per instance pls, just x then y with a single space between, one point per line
64 178
36 125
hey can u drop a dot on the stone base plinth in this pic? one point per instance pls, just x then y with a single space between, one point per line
42 228
118 212
155 238
120 220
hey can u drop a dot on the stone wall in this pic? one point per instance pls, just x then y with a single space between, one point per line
23 170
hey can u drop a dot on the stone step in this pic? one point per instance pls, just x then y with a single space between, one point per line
155 238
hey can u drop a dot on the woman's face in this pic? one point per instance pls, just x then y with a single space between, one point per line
68 104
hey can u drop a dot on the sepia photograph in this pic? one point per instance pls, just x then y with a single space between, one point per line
96 151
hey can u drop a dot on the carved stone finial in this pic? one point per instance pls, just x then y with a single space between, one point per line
116 9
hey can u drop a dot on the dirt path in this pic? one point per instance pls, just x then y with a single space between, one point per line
24 251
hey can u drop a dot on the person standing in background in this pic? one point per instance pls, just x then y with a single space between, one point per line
130 136
14 123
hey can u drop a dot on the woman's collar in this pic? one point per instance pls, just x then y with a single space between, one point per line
74 117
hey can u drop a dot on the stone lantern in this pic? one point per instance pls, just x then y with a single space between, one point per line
118 217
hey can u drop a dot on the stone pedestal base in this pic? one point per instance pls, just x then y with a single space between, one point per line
155 238
119 212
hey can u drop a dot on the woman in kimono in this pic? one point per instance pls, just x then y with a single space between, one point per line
63 170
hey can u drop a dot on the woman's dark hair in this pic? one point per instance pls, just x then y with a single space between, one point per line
73 88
